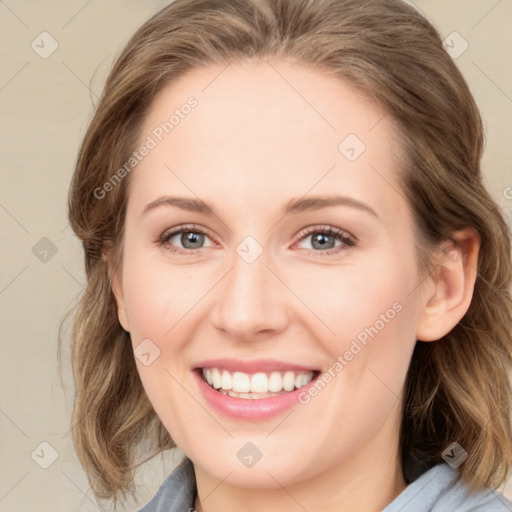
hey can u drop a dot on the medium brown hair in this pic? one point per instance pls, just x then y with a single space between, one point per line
457 388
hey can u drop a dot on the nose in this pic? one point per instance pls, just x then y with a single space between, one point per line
252 302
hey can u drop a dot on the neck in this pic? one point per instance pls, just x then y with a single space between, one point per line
367 481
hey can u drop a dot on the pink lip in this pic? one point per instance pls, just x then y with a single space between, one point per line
263 365
248 408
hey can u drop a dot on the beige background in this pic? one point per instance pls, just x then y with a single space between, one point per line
45 106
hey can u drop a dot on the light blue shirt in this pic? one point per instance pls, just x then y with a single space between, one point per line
433 491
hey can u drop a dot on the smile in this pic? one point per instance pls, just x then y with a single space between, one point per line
252 390
258 385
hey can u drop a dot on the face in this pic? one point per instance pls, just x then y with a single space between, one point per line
289 257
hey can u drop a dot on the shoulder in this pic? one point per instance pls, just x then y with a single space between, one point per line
177 493
436 490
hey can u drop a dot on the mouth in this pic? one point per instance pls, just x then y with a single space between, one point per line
257 385
252 390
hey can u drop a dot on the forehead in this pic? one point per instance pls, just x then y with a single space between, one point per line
268 128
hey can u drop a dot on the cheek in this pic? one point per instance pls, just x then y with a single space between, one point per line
158 305
372 314
359 303
157 295
337 304
166 304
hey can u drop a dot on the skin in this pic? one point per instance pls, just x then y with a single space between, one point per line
251 145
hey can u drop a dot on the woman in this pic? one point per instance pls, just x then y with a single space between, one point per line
295 273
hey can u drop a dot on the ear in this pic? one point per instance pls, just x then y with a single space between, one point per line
117 288
448 295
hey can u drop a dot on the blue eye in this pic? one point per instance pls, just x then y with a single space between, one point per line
192 237
323 239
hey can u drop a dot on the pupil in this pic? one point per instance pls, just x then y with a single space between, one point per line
321 240
195 239
192 238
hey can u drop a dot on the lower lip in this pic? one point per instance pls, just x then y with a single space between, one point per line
249 408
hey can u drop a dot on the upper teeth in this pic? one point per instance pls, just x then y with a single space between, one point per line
240 382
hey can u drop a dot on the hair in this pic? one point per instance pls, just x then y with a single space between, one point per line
458 388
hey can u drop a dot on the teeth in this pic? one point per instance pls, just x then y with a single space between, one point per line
275 383
226 381
289 381
257 385
217 381
241 382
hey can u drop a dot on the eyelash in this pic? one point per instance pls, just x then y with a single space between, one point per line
342 236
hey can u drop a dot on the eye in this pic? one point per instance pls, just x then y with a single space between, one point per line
190 237
324 239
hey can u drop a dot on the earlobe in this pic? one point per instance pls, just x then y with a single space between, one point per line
451 285
117 290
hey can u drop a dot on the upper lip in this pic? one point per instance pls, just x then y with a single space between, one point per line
254 366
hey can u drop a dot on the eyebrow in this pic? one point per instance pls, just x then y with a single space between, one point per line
296 205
